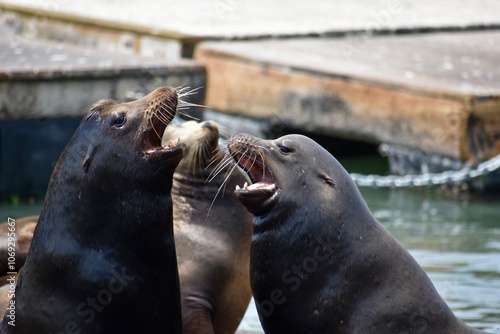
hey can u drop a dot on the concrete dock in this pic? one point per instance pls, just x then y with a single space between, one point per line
47 87
45 79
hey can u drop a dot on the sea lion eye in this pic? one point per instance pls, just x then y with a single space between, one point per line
119 121
284 149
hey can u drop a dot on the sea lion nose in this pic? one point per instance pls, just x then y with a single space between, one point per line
210 126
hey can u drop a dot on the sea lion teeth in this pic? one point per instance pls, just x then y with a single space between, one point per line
245 186
238 187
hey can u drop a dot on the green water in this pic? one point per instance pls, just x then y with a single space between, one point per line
456 242
19 210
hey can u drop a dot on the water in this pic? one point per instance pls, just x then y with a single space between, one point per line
457 242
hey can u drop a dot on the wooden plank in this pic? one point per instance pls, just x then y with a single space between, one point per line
420 91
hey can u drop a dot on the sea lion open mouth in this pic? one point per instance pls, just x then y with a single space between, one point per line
251 158
153 146
161 106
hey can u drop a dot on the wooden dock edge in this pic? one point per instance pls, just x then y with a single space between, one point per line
462 127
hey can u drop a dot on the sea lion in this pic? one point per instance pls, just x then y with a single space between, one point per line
212 233
320 261
102 259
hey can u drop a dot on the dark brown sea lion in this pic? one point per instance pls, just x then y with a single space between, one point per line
102 259
212 233
320 262
23 233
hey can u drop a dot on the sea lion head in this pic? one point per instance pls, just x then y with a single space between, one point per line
124 139
291 173
202 145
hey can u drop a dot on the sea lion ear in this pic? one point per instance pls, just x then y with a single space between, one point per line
328 181
88 158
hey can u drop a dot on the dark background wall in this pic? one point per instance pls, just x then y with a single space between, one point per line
29 149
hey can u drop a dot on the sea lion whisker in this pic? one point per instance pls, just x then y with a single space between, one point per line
181 111
243 153
226 157
182 105
215 156
229 172
230 144
207 153
168 111
212 203
214 151
218 169
264 167
211 162
161 116
222 186
213 159
224 164
226 178
153 127
186 105
161 112
219 166
262 147
186 91
224 132
171 111
254 160
194 160
227 161
201 156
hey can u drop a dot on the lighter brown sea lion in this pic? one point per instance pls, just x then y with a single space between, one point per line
212 233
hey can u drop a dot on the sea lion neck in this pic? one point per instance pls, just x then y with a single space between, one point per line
193 176
122 198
